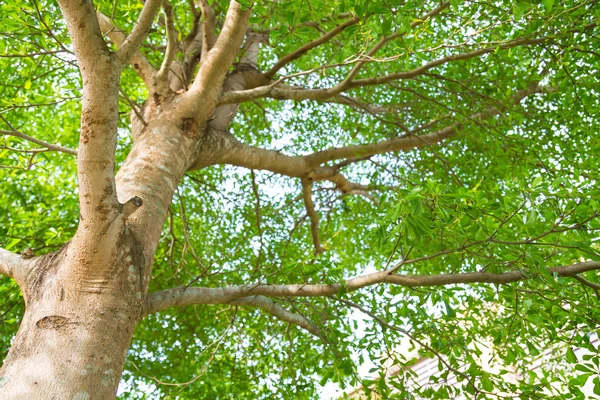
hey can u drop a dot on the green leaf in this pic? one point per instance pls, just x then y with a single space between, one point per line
486 383
571 357
450 312
12 243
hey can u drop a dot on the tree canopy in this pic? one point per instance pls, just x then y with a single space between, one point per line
402 170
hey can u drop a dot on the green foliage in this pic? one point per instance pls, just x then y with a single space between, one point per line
515 192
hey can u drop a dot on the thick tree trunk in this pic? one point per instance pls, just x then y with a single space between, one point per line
74 336
83 302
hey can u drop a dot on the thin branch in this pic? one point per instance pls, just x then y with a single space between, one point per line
309 46
140 31
258 217
278 92
182 296
370 108
163 73
209 36
39 53
134 107
140 64
408 334
271 307
53 147
382 42
48 30
312 214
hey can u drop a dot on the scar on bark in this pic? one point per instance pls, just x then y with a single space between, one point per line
190 127
52 322
157 99
45 265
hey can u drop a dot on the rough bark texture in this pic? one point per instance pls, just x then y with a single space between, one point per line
74 336
83 302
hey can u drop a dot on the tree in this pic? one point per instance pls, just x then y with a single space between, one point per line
252 179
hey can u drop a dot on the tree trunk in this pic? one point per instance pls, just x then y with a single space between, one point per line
74 336
83 302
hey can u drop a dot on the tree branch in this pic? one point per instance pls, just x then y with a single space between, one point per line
209 79
249 56
243 155
360 105
309 46
594 286
182 296
140 64
276 91
312 214
162 81
386 39
140 31
271 307
209 36
14 265
99 124
53 147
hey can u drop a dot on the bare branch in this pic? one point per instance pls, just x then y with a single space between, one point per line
309 46
140 31
271 307
182 296
312 214
134 107
208 81
163 73
14 265
209 36
140 64
53 147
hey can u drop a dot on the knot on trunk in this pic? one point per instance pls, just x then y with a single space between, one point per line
190 127
131 206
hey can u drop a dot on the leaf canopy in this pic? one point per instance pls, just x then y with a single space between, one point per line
517 191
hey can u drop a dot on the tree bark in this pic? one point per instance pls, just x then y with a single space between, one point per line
74 336
82 306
